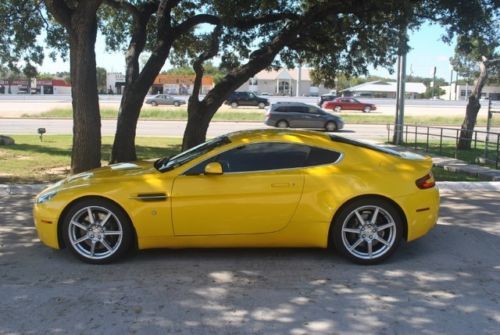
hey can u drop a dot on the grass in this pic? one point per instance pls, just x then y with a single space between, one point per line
448 149
257 115
441 174
160 113
32 161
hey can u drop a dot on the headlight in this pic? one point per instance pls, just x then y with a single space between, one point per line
45 197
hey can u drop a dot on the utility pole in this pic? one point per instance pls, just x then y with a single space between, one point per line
433 82
451 80
299 77
400 94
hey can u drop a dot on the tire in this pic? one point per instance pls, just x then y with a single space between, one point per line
331 126
337 109
353 240
367 109
103 238
282 124
176 103
234 104
261 105
154 103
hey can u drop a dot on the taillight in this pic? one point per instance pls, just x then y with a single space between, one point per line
426 181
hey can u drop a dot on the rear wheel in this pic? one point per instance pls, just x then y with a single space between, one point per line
234 104
177 103
330 126
282 124
261 105
97 231
338 109
367 230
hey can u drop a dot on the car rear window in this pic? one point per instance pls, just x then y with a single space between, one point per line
388 151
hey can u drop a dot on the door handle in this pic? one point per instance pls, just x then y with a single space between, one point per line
282 185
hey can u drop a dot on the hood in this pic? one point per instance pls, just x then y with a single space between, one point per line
110 173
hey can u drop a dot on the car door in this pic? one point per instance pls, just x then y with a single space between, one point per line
257 193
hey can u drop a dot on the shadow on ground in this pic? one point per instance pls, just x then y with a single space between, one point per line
447 282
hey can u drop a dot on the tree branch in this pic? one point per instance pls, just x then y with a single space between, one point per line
195 20
61 12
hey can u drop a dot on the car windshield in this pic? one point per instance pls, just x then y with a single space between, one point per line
167 164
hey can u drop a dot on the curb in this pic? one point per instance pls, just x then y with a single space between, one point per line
444 186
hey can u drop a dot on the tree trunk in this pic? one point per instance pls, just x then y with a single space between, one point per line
86 152
131 104
472 109
197 125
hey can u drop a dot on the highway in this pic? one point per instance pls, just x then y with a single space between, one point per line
166 128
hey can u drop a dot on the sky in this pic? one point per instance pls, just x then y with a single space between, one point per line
427 51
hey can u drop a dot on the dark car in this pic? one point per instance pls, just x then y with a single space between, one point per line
326 97
301 115
349 104
246 99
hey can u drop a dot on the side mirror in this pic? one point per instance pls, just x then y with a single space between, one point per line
213 168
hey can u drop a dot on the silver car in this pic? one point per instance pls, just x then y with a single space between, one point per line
301 115
164 99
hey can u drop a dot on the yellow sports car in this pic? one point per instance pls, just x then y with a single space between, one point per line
259 188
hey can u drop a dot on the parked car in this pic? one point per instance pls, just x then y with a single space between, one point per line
246 99
165 99
326 97
257 188
301 115
344 103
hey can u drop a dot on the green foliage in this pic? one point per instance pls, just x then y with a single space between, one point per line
101 79
469 51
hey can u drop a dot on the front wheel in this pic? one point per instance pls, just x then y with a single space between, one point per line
234 104
154 103
97 231
367 109
177 103
367 230
338 109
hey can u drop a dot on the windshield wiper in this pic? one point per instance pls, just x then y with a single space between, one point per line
160 162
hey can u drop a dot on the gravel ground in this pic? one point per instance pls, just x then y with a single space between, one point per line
446 283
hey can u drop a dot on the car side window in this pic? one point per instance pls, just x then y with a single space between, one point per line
319 156
263 157
269 156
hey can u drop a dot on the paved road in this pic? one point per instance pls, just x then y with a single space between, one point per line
445 283
17 105
165 128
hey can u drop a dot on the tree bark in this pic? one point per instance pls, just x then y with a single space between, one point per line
86 153
80 21
473 106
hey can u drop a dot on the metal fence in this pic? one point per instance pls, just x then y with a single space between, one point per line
444 141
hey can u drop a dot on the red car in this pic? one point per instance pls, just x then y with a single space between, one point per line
349 104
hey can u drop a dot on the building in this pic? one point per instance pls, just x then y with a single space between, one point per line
383 89
38 86
115 82
462 92
283 82
180 84
164 83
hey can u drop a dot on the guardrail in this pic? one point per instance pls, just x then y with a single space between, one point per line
486 145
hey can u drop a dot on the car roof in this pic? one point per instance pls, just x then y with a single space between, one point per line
292 103
289 135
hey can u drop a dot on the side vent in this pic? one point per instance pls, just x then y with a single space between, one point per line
150 197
